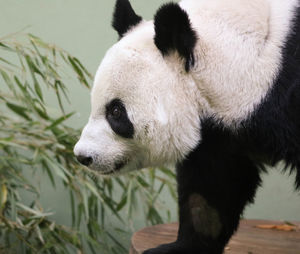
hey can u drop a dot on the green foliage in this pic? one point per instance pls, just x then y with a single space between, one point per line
33 141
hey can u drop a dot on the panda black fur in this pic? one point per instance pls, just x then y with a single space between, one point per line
219 174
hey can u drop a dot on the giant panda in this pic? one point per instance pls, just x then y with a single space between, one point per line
209 86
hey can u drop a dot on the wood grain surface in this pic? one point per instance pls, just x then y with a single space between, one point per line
248 240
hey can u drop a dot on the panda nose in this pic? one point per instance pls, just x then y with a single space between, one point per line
86 161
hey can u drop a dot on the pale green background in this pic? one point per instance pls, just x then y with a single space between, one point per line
83 28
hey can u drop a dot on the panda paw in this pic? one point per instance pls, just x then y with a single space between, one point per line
171 248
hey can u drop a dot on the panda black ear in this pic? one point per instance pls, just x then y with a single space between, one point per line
173 31
124 17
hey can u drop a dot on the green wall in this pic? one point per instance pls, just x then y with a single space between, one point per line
83 28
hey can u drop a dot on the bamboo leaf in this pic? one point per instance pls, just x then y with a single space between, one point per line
36 213
5 47
39 41
38 90
122 203
39 234
142 182
7 62
60 120
93 190
73 213
116 242
85 203
82 67
58 170
7 80
21 111
43 114
3 198
168 172
32 66
49 172
78 71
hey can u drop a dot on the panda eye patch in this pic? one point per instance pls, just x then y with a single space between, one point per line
118 120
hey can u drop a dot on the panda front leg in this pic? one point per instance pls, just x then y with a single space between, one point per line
213 189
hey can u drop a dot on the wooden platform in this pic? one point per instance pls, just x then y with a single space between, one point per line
248 240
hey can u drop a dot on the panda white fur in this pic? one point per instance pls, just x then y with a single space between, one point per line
211 86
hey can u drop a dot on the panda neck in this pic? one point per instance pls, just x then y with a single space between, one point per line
238 62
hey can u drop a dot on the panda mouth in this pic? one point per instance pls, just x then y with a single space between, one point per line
117 167
120 165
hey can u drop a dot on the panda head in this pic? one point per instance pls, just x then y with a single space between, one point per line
144 107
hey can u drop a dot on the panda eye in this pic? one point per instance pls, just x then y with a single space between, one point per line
116 112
